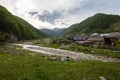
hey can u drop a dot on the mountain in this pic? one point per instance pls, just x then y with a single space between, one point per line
13 28
100 23
56 32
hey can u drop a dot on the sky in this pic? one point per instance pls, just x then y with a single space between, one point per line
59 13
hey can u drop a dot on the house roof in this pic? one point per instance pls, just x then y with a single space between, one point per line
78 38
95 35
104 35
96 39
114 34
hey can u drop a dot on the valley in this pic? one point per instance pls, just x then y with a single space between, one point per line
89 50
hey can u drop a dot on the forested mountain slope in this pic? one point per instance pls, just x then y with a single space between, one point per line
13 28
100 23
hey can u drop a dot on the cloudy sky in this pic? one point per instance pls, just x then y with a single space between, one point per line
59 13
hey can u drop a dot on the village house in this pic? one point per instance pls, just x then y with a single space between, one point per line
112 38
94 40
75 38
104 39
95 35
79 38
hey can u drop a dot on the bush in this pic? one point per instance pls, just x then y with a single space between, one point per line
2 37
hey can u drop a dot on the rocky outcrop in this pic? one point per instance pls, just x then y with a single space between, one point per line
10 37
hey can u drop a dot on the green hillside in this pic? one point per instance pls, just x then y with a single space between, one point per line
56 32
13 28
98 23
115 27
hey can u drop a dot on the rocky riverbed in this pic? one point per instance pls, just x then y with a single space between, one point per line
66 53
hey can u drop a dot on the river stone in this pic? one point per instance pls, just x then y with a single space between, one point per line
65 58
102 78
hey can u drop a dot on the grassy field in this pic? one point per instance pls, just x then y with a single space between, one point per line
18 64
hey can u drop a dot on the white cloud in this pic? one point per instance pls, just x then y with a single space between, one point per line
73 11
8 5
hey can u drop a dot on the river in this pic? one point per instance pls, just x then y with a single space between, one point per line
71 54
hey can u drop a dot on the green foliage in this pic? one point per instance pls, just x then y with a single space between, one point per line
115 27
52 45
118 45
10 24
18 64
100 23
2 37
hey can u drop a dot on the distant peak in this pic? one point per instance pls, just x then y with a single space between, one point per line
100 14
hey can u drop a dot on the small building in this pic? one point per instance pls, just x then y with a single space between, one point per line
112 38
95 35
85 43
78 38
105 39
104 35
114 34
96 41
64 42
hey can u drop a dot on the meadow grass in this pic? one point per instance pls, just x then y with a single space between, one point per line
27 65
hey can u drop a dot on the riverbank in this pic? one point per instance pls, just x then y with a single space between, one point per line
71 54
